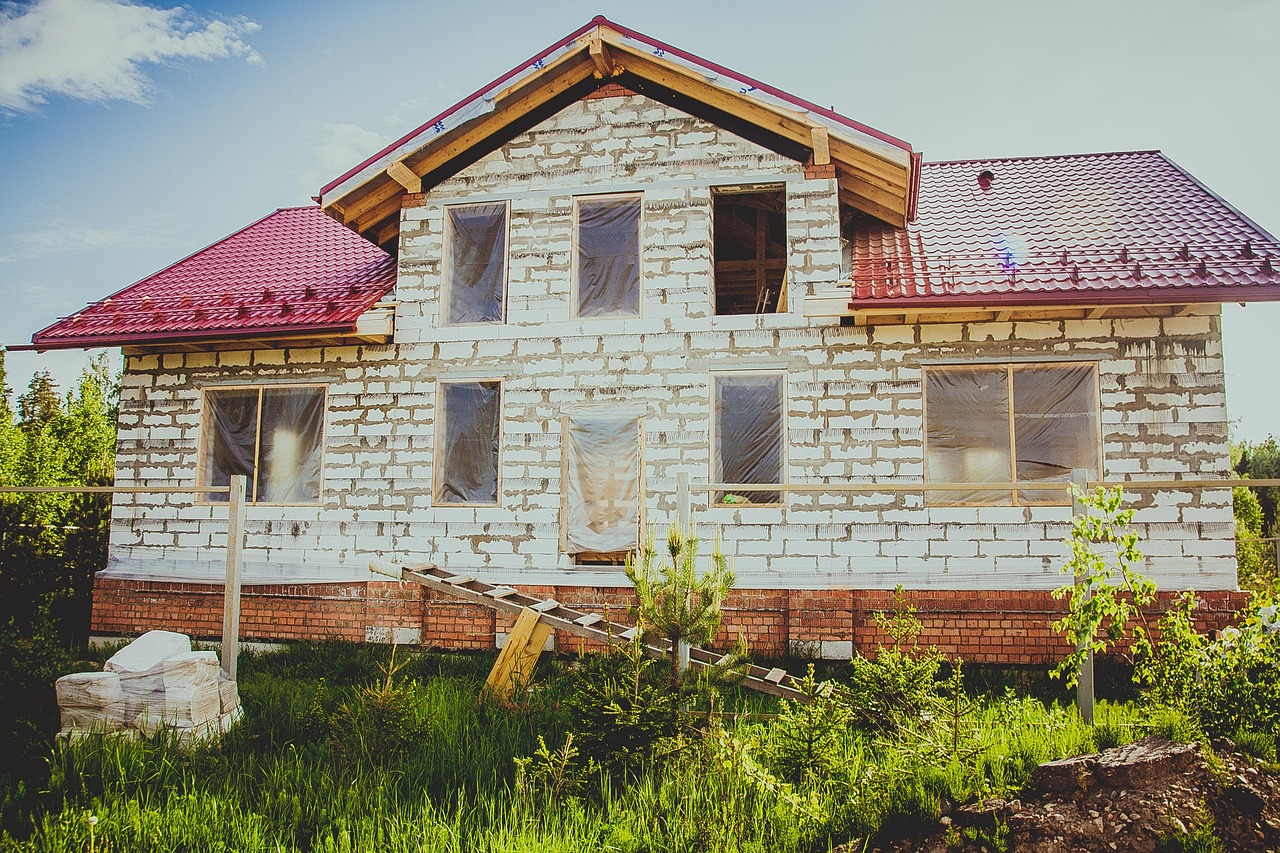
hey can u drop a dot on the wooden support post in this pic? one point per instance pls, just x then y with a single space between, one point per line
235 564
1084 682
515 663
682 499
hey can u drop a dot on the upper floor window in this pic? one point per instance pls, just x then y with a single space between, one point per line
747 423
750 230
467 437
1010 423
607 256
274 435
476 247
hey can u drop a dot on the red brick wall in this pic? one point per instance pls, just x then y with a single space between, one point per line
980 626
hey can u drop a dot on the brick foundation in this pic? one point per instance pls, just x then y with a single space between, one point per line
980 626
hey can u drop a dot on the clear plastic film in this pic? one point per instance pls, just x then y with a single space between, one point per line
291 445
1055 423
608 258
477 253
468 451
603 455
748 433
231 436
968 431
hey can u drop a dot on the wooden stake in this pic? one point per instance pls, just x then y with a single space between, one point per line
231 592
1084 682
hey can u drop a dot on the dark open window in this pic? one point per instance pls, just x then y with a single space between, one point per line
467 443
272 435
477 262
750 228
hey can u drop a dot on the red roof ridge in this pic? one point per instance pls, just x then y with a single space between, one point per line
1032 157
600 20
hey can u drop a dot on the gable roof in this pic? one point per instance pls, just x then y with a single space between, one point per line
876 171
293 272
1126 227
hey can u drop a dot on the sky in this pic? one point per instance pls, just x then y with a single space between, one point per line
133 135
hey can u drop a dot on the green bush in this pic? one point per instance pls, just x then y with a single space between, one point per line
900 682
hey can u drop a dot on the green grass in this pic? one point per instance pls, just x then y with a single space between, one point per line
313 768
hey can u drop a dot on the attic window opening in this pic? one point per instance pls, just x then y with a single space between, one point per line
477 249
750 231
607 262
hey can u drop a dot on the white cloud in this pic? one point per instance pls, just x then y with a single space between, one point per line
62 237
94 49
338 148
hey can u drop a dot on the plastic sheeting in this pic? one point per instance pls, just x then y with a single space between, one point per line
968 431
468 451
1054 414
477 262
1055 411
273 436
290 445
748 432
604 482
608 260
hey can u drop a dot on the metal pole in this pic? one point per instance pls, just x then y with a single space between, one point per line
231 593
1084 681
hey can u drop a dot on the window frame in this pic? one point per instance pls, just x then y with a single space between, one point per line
716 499
437 458
446 273
574 303
1010 496
251 489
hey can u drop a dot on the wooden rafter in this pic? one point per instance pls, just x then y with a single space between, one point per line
868 181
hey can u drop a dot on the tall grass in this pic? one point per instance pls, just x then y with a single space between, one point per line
290 777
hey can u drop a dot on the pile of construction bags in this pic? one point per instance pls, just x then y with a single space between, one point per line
155 682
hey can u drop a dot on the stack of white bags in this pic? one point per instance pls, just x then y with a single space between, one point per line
154 682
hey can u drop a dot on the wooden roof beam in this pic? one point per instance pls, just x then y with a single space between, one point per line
405 177
896 218
602 59
821 145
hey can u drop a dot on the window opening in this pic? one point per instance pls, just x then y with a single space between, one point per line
603 489
467 443
607 265
477 254
1010 423
272 435
750 230
748 416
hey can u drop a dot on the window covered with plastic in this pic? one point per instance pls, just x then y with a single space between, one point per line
607 265
747 423
272 435
477 253
603 502
467 443
1010 423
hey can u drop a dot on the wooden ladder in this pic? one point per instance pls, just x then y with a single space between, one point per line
536 618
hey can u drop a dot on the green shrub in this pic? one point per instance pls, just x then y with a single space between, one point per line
808 740
899 683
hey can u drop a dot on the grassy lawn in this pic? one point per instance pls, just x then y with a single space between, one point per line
335 755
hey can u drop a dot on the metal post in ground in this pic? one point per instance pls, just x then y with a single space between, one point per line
683 518
231 595
1084 680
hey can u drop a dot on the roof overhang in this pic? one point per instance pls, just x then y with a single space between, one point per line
876 173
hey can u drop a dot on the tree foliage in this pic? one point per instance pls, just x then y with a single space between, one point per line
1109 591
50 544
1261 461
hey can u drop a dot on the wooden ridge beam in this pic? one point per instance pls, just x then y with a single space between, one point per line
601 58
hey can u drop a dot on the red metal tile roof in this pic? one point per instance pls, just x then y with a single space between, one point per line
1127 227
293 271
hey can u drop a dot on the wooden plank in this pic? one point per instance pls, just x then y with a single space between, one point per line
518 658
501 591
821 145
390 206
589 619
884 214
459 580
776 675
405 177
548 604
601 58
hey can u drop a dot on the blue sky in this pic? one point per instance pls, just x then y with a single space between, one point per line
133 135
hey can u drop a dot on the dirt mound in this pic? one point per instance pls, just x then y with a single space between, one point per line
1124 800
